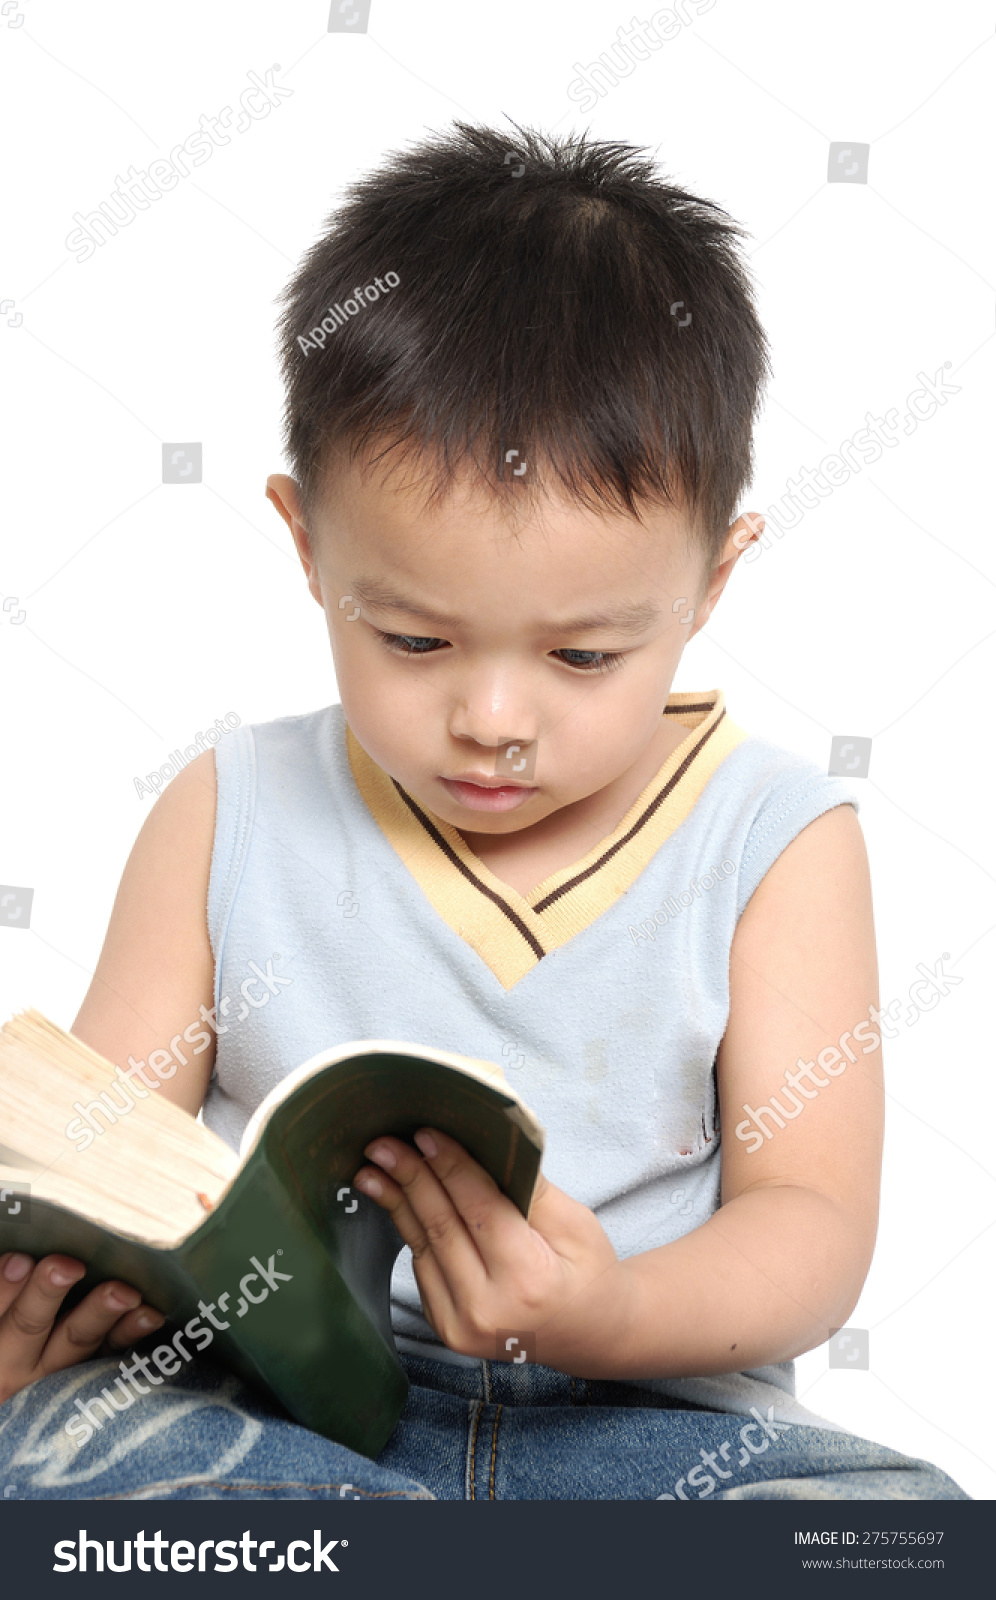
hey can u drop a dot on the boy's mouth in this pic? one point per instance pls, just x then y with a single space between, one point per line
486 794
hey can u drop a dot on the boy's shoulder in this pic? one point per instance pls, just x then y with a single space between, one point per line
723 766
760 766
304 736
762 796
300 726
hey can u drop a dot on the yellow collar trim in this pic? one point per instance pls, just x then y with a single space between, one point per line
509 931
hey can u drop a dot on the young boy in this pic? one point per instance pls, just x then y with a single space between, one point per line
520 401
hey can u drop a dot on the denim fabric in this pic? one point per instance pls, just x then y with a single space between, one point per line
492 1431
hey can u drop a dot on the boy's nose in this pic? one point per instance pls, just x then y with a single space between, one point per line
492 717
491 735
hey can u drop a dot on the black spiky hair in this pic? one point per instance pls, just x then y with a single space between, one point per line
554 296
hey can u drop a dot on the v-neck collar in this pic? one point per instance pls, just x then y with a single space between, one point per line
512 932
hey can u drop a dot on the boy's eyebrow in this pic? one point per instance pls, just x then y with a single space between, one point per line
631 618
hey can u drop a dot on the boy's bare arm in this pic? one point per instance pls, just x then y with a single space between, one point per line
156 968
782 1262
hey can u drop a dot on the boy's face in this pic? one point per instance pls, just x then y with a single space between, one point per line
552 628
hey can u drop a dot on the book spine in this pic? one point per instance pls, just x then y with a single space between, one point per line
285 1317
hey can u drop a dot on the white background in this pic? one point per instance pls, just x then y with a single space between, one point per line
150 610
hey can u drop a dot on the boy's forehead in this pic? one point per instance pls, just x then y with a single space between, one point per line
413 515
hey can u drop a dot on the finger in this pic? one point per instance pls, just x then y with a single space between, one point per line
425 1216
493 1222
111 1315
134 1325
437 1301
14 1269
29 1316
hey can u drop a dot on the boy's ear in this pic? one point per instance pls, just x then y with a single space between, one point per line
743 532
282 492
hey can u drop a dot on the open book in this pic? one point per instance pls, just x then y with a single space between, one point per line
269 1257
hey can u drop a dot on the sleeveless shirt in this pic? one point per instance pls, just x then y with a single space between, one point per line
603 994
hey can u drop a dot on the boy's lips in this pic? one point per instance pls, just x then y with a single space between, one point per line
487 794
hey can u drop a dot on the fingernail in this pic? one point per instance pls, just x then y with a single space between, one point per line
150 1319
17 1268
383 1155
427 1144
121 1301
62 1279
369 1184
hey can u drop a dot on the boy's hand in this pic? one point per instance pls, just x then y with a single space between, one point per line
482 1267
33 1344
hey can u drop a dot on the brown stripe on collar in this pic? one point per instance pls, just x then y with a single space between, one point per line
641 822
461 866
512 932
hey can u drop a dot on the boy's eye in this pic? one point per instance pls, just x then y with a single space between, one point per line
411 644
591 660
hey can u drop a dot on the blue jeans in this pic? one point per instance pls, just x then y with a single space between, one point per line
493 1431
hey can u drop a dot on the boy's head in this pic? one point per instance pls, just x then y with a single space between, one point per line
521 379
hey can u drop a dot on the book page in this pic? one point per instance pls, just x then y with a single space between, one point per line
152 1170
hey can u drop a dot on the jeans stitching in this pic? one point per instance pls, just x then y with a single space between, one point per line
494 1447
473 1445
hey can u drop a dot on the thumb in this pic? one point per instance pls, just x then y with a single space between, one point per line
543 1186
554 1214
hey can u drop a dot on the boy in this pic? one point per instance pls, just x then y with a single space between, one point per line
520 399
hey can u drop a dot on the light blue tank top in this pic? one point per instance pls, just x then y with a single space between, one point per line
338 909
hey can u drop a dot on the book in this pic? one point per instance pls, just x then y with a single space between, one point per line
269 1256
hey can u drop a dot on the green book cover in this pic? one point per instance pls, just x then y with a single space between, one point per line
290 1269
